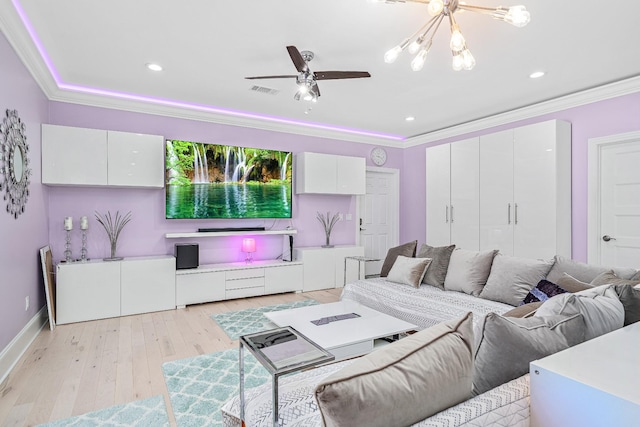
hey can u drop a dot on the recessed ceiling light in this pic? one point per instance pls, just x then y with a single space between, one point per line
536 75
154 67
410 118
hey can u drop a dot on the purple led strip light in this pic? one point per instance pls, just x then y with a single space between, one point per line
133 97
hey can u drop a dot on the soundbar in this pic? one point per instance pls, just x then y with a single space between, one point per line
225 229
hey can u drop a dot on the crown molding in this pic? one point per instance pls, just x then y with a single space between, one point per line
600 93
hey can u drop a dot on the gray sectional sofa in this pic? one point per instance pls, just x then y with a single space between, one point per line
483 290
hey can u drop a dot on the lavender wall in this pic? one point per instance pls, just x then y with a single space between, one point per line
610 117
145 234
21 238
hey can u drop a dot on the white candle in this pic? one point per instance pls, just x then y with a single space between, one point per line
68 223
84 223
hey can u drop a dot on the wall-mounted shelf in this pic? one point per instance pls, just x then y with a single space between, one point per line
230 233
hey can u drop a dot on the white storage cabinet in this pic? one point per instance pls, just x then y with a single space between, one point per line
93 157
318 173
100 289
324 268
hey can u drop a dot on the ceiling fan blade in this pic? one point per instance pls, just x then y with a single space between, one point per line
297 59
333 75
272 77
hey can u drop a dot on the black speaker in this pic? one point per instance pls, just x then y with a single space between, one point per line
187 255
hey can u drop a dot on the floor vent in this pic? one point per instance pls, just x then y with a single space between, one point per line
265 90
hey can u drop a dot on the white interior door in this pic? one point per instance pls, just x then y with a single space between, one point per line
614 174
379 212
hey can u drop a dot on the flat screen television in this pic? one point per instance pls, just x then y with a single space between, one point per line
213 181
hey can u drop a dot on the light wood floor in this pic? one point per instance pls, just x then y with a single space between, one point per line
87 366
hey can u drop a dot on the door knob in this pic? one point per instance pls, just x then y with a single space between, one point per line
606 238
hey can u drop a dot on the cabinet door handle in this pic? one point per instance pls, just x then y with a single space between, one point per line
508 213
516 214
446 213
451 214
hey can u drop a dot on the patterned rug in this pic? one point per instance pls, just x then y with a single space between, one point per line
141 413
199 386
243 322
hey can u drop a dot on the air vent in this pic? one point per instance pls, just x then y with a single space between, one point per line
265 90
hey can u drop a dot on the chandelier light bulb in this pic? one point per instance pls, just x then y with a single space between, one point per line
419 60
435 7
392 54
517 16
457 40
457 62
468 61
414 47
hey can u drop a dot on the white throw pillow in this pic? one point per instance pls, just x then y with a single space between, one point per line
468 271
602 310
408 271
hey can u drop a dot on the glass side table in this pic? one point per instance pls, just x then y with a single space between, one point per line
281 351
361 260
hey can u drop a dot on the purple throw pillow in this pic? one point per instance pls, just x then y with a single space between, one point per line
542 292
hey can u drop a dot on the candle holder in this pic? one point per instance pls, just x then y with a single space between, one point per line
67 247
84 225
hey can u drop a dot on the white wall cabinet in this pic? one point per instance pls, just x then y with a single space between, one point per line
101 289
318 173
217 282
93 157
453 194
525 190
324 268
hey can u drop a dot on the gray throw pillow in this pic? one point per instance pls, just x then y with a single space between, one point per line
630 299
571 284
610 278
512 278
602 310
468 271
437 271
506 345
403 382
581 271
406 249
408 271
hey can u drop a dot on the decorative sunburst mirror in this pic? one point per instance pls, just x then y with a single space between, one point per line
14 163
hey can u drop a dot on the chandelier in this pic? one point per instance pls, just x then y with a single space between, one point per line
419 43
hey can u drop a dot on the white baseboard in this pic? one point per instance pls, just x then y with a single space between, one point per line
19 345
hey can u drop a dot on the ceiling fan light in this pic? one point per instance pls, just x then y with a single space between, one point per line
303 89
435 7
517 16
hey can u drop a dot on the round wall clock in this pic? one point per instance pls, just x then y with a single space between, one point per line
14 163
378 156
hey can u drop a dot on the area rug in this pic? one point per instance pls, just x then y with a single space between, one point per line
199 386
250 320
141 413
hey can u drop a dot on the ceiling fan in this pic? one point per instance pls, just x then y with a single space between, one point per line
306 79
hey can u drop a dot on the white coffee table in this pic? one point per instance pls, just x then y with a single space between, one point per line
343 338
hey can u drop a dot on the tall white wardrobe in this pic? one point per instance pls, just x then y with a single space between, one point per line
509 190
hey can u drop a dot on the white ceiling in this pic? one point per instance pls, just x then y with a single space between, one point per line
207 47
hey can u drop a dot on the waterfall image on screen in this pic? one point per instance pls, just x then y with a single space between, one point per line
205 181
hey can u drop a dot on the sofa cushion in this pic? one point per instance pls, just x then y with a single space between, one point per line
506 345
406 249
630 299
468 271
581 271
437 270
512 278
602 310
542 292
404 382
524 310
610 278
408 271
571 284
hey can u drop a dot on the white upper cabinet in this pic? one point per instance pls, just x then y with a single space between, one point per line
135 159
525 190
74 156
318 173
93 157
452 194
